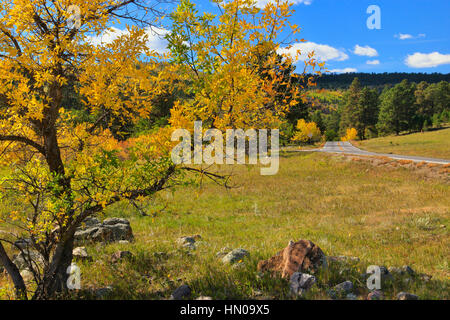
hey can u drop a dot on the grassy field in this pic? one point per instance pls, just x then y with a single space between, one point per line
435 144
384 216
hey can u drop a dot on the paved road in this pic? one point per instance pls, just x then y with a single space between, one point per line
348 148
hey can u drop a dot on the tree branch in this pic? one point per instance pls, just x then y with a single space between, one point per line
24 140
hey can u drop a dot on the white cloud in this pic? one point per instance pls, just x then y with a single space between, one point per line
262 3
373 62
427 60
406 36
322 52
365 51
155 35
403 36
345 70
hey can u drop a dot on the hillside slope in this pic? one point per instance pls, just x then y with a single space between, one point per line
434 144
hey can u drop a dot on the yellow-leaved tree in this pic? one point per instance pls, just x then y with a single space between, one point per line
240 74
65 162
351 134
307 132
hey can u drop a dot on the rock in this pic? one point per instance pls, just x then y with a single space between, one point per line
407 296
188 242
120 255
375 295
103 293
23 243
180 293
257 293
81 253
91 221
408 270
301 282
301 256
235 255
204 298
124 242
386 276
341 290
28 260
223 252
346 286
425 277
190 246
403 271
111 230
114 221
395 270
351 296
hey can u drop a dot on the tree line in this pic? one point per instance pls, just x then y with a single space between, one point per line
343 81
404 107
407 106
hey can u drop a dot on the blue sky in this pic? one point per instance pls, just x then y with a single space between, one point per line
414 28
414 34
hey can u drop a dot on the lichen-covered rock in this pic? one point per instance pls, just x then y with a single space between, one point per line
181 293
103 293
23 243
28 260
114 221
301 256
91 221
223 252
111 230
188 242
341 290
385 275
375 295
80 253
401 272
235 256
407 296
301 283
204 298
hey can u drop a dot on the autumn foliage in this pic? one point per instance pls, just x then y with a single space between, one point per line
66 164
351 134
307 132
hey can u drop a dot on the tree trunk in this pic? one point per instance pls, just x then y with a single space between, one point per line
14 273
55 277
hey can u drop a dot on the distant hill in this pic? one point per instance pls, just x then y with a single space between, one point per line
340 81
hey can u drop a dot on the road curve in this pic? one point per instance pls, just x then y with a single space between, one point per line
347 148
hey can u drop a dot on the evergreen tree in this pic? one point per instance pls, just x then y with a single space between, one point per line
397 108
349 111
317 118
367 112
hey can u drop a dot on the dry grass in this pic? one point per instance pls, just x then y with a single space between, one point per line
434 144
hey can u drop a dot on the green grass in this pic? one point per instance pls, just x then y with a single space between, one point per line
435 144
383 216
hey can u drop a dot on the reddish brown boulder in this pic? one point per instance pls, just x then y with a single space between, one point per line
300 256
